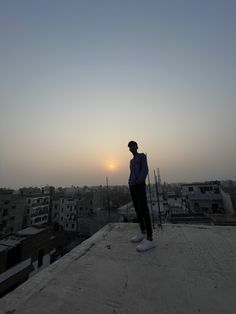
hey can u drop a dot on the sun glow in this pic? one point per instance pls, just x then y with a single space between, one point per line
111 165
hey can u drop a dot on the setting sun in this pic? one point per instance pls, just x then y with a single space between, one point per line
111 165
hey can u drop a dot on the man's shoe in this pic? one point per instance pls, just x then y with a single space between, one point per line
145 246
138 238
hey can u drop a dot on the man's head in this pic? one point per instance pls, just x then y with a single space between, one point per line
133 147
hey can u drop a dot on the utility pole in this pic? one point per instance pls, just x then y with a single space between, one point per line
159 176
51 193
159 182
108 201
77 216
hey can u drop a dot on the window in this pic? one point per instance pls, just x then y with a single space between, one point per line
5 212
190 188
196 205
40 257
205 189
14 256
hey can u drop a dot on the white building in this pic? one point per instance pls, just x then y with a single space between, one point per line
202 197
65 213
37 209
229 200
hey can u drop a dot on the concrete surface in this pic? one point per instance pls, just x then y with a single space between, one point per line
191 270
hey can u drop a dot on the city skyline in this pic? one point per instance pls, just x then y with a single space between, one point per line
80 79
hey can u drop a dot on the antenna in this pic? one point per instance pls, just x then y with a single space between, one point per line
158 202
150 197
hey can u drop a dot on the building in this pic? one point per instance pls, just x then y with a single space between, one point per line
229 199
12 210
191 270
202 197
22 255
37 210
65 214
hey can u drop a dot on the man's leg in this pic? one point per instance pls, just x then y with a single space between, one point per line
146 244
135 194
145 210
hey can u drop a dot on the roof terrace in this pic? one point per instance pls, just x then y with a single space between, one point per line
191 270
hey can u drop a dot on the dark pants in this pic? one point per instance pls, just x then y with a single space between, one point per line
138 193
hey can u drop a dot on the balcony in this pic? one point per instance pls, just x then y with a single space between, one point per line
39 213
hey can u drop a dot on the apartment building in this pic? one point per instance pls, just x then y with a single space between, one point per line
37 210
12 210
202 197
65 214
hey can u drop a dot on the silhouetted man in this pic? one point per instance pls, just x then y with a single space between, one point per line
138 174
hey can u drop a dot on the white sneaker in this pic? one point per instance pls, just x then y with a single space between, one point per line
138 238
145 246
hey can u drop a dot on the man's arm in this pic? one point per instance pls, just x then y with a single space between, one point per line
143 169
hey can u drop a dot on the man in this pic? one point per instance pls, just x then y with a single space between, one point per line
138 174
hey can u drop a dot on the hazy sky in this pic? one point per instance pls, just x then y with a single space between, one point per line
79 79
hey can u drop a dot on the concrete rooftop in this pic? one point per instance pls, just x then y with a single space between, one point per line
191 270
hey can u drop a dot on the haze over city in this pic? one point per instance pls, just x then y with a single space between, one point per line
79 79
